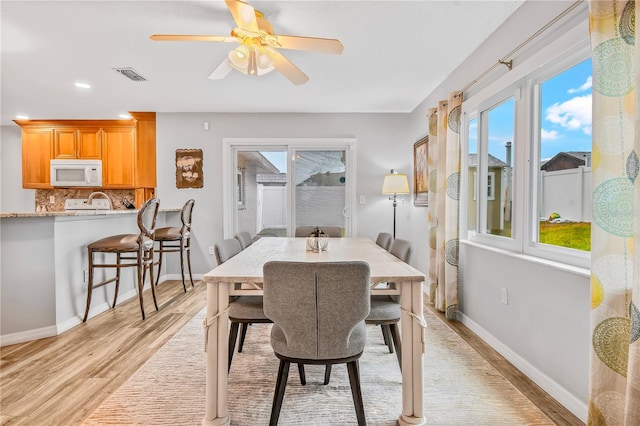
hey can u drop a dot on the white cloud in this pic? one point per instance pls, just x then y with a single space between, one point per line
573 114
549 135
586 86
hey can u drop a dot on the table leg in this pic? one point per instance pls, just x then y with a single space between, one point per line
216 413
412 351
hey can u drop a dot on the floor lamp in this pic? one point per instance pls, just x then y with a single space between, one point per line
394 184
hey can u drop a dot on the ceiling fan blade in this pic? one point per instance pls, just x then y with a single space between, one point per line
244 15
185 37
221 70
323 45
288 69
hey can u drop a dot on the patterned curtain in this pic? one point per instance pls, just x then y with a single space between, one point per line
443 166
615 235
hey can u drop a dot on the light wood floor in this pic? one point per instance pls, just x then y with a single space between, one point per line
61 380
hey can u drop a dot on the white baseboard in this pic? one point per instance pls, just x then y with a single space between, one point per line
26 336
54 330
559 393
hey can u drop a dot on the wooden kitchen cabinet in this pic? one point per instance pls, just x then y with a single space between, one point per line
118 157
127 149
36 155
83 143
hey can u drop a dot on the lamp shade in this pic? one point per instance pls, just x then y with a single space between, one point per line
252 59
395 183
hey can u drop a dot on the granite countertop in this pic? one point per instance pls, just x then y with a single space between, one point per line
80 213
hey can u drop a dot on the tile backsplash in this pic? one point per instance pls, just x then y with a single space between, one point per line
43 197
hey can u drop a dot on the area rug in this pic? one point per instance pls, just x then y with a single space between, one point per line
461 388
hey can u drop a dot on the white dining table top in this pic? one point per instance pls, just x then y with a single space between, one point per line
247 265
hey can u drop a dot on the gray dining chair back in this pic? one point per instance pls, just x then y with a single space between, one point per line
318 310
244 238
331 231
384 240
385 310
226 249
401 249
243 310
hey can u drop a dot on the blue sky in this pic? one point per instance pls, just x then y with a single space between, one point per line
277 158
565 112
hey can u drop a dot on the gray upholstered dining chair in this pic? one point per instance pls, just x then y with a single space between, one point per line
318 310
131 250
244 238
243 310
172 239
385 311
384 240
331 231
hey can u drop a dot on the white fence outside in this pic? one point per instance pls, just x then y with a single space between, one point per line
316 205
272 207
566 192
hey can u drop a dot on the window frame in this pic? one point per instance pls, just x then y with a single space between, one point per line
523 83
230 146
480 111
534 81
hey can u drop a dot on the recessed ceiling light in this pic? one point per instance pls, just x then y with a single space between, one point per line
83 85
125 116
21 117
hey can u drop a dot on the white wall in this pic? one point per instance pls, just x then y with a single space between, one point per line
379 141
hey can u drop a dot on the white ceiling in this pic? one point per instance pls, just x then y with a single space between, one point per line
395 54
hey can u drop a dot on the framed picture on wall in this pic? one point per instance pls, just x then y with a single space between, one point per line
189 168
420 179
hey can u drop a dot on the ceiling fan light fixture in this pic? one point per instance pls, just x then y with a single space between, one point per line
239 57
265 58
252 60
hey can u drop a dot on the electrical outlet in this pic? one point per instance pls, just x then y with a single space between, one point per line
363 199
211 250
52 199
504 296
86 275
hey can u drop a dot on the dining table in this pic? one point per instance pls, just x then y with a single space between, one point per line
246 268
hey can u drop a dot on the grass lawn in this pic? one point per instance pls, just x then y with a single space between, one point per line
575 235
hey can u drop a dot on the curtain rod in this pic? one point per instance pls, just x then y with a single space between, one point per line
509 63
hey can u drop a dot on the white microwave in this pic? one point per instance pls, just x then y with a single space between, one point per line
70 173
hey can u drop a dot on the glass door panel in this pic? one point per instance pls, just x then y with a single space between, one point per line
320 195
260 188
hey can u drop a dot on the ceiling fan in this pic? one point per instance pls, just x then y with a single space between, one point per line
257 53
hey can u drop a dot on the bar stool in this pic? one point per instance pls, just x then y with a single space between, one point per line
177 239
139 244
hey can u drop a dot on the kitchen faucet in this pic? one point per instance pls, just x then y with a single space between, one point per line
93 195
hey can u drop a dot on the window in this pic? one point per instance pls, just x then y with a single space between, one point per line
529 141
564 160
491 186
490 147
240 190
500 126
271 186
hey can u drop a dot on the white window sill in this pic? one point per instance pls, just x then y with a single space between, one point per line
532 259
